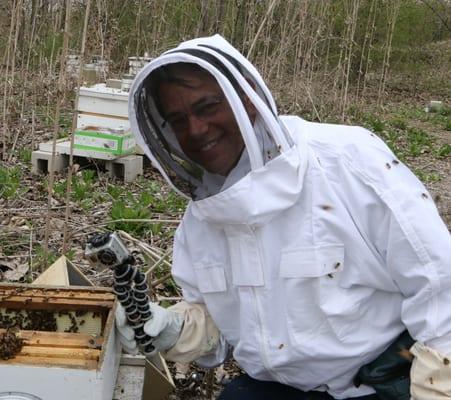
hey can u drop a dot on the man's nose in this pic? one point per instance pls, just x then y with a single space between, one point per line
197 126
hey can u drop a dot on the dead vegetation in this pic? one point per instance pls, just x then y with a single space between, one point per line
375 63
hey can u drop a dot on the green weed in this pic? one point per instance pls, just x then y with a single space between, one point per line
82 186
14 247
393 140
25 155
41 260
441 119
446 111
370 121
399 123
115 191
70 254
427 177
418 141
444 151
130 208
152 199
9 182
164 201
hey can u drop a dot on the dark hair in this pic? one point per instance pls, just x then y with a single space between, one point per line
176 72
172 73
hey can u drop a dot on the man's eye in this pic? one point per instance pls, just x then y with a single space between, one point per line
176 120
208 109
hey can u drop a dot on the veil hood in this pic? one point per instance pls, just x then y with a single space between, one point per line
267 141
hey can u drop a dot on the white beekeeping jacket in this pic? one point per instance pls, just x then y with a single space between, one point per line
313 261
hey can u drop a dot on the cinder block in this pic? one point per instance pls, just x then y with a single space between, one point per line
128 167
41 162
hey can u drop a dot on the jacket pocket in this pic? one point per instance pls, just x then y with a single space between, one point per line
316 304
210 278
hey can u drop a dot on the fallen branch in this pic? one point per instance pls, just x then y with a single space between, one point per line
161 280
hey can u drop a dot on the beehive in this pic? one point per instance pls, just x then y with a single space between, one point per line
71 353
102 106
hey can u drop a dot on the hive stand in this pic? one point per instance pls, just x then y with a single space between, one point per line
126 167
41 162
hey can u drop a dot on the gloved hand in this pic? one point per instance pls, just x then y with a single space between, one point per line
430 374
164 326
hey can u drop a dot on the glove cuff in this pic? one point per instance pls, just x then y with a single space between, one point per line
199 335
430 374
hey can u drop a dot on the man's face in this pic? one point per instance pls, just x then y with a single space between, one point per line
203 122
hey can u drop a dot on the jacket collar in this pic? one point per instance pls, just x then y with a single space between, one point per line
261 194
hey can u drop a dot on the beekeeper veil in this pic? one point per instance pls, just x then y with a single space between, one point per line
264 138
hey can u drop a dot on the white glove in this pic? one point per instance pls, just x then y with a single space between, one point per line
164 326
430 374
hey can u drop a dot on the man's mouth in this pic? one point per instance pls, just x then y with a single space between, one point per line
208 146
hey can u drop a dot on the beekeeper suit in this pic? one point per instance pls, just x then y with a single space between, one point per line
313 253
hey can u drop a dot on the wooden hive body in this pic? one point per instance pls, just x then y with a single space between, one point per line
55 365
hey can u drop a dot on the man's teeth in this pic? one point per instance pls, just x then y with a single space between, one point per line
208 145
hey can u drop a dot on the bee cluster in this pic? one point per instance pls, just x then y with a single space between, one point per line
75 318
33 320
44 320
10 344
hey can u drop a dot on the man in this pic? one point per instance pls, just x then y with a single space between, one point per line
306 250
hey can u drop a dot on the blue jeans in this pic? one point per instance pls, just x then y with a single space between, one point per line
246 388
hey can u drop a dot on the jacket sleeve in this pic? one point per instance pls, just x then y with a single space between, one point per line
200 339
408 234
404 227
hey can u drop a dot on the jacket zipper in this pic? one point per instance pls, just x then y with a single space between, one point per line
263 346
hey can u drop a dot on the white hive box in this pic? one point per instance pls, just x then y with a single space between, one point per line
135 64
102 106
55 365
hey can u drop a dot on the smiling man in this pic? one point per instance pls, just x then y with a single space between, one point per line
303 251
193 104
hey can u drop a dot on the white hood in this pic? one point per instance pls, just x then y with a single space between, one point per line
262 185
